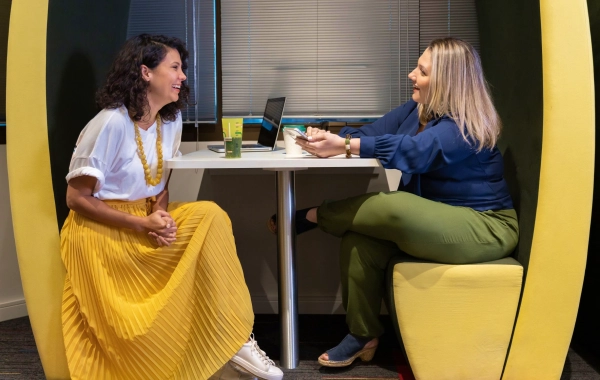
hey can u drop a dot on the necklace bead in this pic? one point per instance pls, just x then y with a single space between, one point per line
140 149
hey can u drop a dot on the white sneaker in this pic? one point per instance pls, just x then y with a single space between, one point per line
254 360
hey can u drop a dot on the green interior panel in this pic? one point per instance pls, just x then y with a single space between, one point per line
511 53
586 336
83 39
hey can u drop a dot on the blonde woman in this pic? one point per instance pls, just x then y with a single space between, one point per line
452 205
154 290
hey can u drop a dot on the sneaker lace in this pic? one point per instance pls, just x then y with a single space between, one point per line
261 354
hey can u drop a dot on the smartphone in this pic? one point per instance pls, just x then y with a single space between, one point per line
297 134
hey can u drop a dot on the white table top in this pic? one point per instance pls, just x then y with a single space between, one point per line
275 160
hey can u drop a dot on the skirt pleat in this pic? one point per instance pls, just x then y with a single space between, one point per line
132 310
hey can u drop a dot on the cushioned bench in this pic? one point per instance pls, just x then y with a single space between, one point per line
457 317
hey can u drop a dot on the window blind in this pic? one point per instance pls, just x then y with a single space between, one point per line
193 21
448 18
409 46
330 58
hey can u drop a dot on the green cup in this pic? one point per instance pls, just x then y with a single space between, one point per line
232 136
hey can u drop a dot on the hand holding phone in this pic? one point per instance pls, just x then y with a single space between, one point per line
297 134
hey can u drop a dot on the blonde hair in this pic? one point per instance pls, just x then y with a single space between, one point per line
457 88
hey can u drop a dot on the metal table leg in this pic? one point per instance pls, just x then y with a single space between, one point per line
286 254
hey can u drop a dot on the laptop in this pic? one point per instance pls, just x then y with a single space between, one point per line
269 130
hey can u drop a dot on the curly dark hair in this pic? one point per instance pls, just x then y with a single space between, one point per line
124 84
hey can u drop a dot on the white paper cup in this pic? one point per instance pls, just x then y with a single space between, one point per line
292 149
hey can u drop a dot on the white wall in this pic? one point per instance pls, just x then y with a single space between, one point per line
249 198
12 301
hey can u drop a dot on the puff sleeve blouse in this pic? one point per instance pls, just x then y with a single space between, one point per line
106 149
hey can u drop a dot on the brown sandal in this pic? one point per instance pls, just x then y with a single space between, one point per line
349 349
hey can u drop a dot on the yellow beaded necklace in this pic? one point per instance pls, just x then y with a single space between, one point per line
149 180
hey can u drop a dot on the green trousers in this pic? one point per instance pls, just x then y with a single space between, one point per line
378 226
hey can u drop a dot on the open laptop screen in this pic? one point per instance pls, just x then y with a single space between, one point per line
271 122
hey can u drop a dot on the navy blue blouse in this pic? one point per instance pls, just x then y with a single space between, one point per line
438 163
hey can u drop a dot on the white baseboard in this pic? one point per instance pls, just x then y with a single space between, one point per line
12 310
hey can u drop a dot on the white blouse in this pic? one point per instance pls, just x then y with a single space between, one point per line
106 149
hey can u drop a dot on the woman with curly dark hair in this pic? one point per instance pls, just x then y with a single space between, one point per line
154 290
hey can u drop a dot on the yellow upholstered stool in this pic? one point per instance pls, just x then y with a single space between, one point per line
456 321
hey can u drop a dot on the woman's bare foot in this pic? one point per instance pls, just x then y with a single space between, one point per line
372 343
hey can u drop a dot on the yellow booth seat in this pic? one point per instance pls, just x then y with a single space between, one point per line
476 321
456 316
456 320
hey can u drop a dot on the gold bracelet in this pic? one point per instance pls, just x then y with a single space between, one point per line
348 153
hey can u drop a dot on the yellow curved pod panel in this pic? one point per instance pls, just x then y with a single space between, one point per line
560 240
30 183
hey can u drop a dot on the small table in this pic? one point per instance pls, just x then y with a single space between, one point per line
286 208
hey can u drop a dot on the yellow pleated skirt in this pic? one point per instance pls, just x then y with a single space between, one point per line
132 310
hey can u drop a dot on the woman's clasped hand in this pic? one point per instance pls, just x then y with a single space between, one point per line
161 227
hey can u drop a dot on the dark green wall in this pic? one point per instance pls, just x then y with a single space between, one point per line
4 18
586 338
4 23
511 52
83 38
